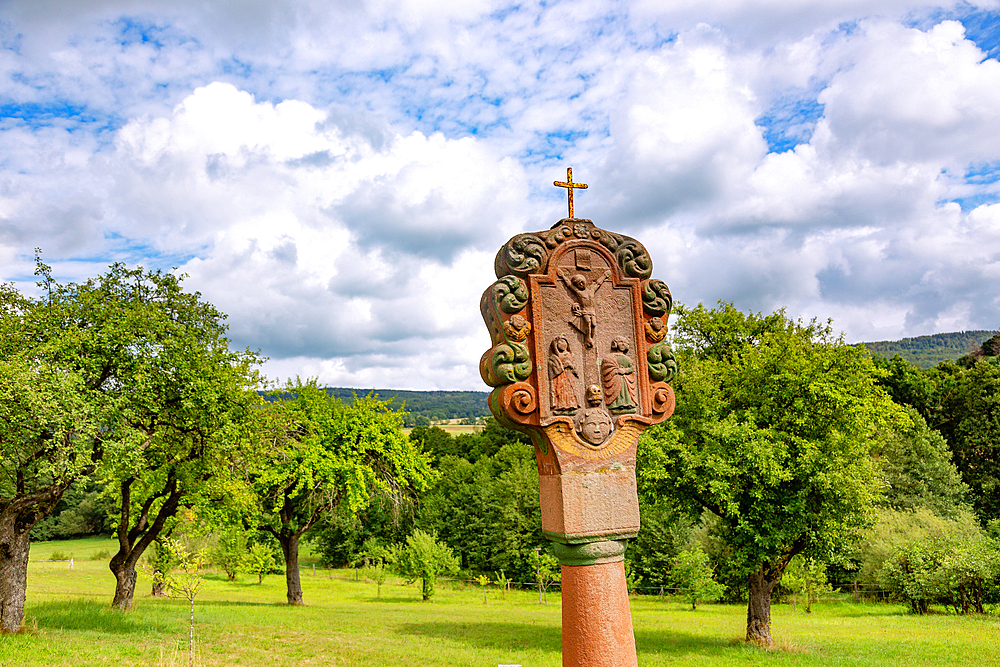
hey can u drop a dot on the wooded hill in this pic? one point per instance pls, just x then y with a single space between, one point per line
432 405
927 351
923 351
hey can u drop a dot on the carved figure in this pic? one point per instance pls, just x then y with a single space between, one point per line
517 328
656 330
584 310
562 372
618 375
594 424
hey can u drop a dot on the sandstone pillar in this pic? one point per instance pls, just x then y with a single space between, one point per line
580 363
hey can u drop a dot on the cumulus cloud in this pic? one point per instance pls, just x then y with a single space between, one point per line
337 177
346 247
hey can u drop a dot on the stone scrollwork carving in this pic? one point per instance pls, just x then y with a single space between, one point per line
557 235
633 259
510 294
656 298
509 362
661 362
663 400
522 255
521 398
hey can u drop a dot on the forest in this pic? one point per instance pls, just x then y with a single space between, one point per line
927 351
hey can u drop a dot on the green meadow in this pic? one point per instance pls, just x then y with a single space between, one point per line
242 623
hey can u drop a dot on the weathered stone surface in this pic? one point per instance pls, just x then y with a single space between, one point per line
579 362
596 620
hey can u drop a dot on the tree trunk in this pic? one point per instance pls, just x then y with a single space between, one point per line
759 607
13 577
135 534
158 591
290 549
125 576
17 517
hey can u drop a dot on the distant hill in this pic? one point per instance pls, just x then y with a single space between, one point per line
927 351
434 405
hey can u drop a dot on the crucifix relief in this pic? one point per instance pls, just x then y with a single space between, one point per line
584 314
581 363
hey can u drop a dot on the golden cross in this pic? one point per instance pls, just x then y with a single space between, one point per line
570 185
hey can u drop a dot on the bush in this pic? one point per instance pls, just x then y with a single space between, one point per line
230 552
100 555
260 560
59 555
424 558
692 574
958 565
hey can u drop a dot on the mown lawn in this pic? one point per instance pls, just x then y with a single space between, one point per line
242 623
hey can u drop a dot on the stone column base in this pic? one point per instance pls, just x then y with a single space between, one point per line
596 619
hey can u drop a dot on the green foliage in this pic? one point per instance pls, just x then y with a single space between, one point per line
230 551
547 571
422 406
918 472
161 557
175 402
950 561
50 423
961 402
184 581
84 509
259 560
806 576
665 533
484 581
971 408
425 558
927 351
343 536
773 431
378 572
487 511
501 581
692 574
328 454
324 455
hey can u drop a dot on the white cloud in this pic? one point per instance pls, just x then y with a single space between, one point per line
337 177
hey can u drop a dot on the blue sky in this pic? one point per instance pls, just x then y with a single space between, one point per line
338 176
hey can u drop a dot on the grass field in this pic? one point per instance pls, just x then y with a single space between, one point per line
453 427
242 623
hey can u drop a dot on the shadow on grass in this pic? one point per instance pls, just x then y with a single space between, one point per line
91 615
546 638
396 599
490 635
671 642
238 603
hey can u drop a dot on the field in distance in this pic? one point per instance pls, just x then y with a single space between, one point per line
346 623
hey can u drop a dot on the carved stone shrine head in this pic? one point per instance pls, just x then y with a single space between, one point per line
579 361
